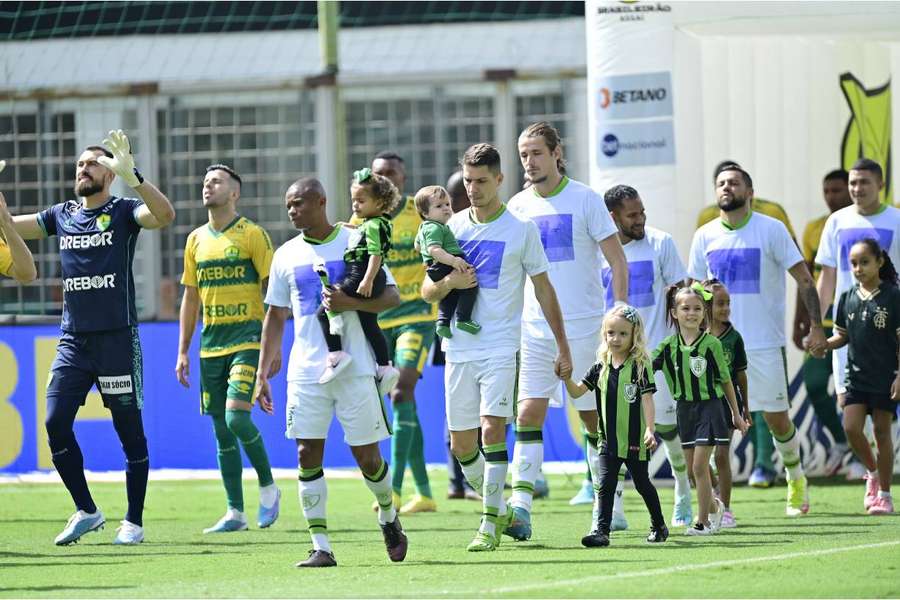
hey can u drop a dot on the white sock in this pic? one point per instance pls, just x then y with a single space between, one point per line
496 466
872 474
234 514
675 455
380 485
268 494
884 494
527 460
789 449
313 500
618 508
473 469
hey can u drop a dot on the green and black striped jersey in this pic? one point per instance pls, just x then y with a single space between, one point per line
618 391
694 372
733 347
372 237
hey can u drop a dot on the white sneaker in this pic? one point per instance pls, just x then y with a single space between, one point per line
129 534
715 519
835 459
232 521
79 524
698 529
386 376
334 364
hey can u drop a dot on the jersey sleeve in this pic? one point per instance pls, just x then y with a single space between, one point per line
278 293
47 219
739 360
374 240
132 205
599 222
431 235
657 358
261 251
783 246
5 259
533 257
697 267
673 269
894 309
840 313
590 378
827 253
648 382
189 276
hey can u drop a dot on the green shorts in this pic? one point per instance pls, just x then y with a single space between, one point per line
228 377
410 344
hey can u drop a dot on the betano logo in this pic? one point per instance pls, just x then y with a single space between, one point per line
608 97
868 133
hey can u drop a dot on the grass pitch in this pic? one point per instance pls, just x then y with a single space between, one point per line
835 551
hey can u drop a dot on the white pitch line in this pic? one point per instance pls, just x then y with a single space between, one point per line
683 568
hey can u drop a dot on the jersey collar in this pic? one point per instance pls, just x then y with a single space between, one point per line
685 345
742 222
329 238
490 219
556 191
224 229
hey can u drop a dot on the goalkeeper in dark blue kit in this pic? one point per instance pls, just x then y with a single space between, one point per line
99 344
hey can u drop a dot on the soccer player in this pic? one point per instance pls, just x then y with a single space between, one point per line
16 260
409 330
226 267
763 474
480 374
294 287
817 371
866 218
573 223
653 265
99 342
749 253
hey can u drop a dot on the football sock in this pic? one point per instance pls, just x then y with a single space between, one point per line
241 425
496 465
675 455
130 428
229 457
473 468
618 508
528 456
65 451
417 459
789 448
592 454
401 441
313 499
380 484
762 442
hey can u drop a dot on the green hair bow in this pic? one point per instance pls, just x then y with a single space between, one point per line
704 293
362 176
630 314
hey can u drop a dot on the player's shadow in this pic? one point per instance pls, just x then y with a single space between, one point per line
59 564
63 588
567 560
29 521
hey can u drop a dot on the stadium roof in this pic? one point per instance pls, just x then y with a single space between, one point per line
61 20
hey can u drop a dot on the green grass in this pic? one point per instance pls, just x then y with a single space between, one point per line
820 554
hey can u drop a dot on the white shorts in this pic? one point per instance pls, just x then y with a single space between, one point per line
479 387
839 369
663 403
355 401
536 377
767 380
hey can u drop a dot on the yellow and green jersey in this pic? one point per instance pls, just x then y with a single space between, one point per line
5 259
227 268
408 270
812 235
760 205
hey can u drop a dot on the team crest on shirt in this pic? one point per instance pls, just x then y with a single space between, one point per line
232 253
103 222
631 392
728 356
880 318
698 365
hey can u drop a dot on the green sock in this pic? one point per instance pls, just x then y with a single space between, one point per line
229 457
405 423
240 423
763 446
417 458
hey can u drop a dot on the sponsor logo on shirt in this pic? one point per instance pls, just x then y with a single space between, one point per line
87 241
88 282
225 310
115 385
215 273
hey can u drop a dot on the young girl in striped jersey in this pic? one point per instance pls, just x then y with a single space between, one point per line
868 320
622 382
694 365
736 357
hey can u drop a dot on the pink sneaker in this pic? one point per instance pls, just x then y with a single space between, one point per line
728 521
872 488
881 506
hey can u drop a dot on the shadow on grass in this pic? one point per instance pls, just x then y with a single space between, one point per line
62 588
562 561
43 564
112 553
